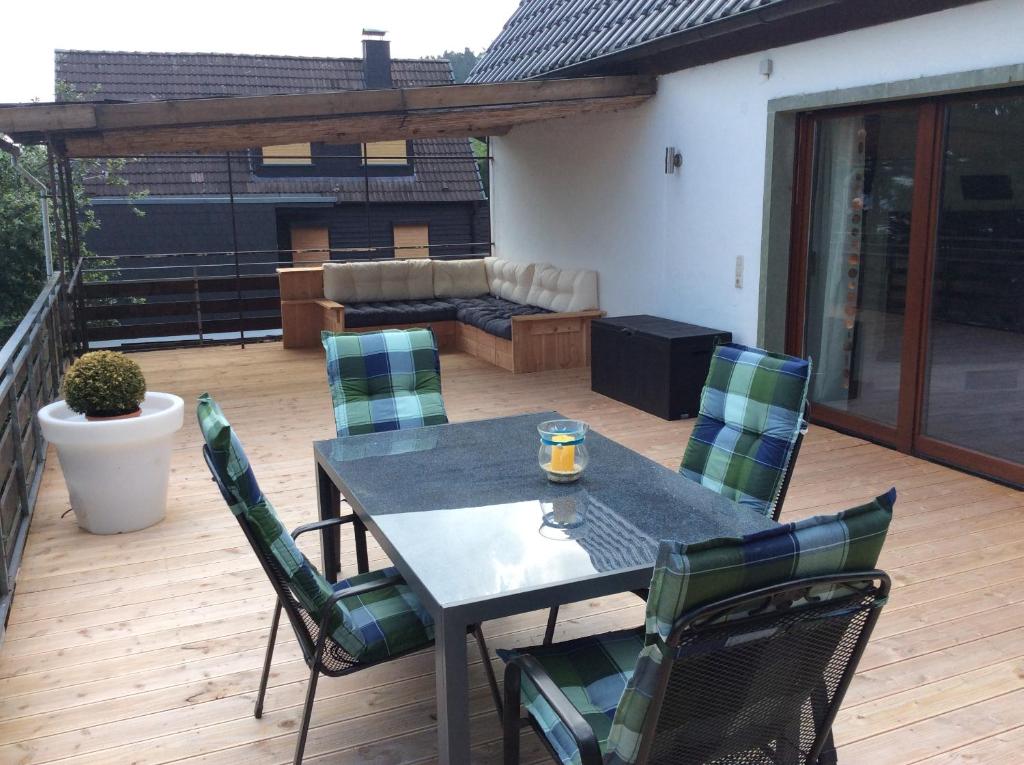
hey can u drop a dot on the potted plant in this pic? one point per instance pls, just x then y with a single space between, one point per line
114 442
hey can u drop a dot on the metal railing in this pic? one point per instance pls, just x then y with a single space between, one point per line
202 297
231 295
32 362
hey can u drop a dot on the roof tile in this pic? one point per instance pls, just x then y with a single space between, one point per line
543 36
126 76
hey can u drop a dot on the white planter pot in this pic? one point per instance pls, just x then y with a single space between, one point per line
116 470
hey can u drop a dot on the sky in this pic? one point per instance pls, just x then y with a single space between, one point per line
293 27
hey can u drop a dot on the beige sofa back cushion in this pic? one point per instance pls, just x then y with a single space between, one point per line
383 280
563 289
460 278
509 279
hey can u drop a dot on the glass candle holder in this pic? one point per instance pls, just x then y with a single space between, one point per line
563 451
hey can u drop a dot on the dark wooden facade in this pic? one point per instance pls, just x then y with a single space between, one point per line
264 231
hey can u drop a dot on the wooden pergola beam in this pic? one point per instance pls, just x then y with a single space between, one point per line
212 124
356 128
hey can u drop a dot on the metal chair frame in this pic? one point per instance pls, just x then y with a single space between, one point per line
318 646
821 752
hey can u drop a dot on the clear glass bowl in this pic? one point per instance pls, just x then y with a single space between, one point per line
563 450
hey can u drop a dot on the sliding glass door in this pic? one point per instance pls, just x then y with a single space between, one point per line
907 286
973 393
857 261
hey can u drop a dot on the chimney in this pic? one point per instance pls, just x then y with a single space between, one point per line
376 59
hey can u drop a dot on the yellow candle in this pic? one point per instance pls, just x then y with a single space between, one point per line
563 458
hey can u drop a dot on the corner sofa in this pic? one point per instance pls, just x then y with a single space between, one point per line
524 317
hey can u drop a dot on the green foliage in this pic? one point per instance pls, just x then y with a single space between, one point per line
462 63
22 270
104 383
479 147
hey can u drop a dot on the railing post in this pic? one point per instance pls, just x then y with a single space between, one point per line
17 433
234 246
78 270
199 304
56 359
33 421
366 206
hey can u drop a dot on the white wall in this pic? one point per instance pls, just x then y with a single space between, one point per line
591 192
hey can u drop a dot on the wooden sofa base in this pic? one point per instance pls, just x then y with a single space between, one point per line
476 342
539 343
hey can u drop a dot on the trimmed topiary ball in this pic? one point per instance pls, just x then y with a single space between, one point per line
104 384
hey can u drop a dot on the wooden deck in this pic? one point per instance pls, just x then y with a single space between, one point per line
146 648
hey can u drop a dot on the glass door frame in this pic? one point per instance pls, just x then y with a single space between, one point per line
906 435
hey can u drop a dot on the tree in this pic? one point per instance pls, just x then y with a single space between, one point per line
462 63
22 267
22 270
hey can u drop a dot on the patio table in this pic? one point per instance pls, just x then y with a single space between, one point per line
478 532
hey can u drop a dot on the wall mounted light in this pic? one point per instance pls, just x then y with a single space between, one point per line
766 67
673 160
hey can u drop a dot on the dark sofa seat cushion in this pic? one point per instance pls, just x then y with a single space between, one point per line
492 314
376 314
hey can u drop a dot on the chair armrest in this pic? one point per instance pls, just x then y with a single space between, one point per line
359 589
579 728
322 524
362 589
591 314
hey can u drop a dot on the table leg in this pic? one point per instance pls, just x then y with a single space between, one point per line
329 501
362 558
452 691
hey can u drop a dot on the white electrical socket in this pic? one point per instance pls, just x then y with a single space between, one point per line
739 272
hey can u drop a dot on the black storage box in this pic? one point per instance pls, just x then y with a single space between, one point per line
654 364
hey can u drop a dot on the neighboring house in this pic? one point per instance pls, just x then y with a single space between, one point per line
851 189
288 197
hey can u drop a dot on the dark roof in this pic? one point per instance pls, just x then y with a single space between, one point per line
573 38
546 35
124 76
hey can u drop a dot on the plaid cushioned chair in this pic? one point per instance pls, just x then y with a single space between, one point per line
748 432
342 627
747 435
748 649
384 380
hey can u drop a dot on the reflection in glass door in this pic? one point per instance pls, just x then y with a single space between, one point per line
907 276
974 364
858 237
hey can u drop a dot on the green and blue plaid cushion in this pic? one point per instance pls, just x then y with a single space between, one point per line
384 380
751 413
593 670
689 576
370 627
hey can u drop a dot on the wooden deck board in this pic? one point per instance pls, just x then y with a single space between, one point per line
146 648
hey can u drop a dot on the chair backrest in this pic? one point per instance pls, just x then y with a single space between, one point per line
751 642
301 588
384 380
750 421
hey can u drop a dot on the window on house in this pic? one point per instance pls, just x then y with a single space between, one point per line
310 245
385 153
412 240
287 154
